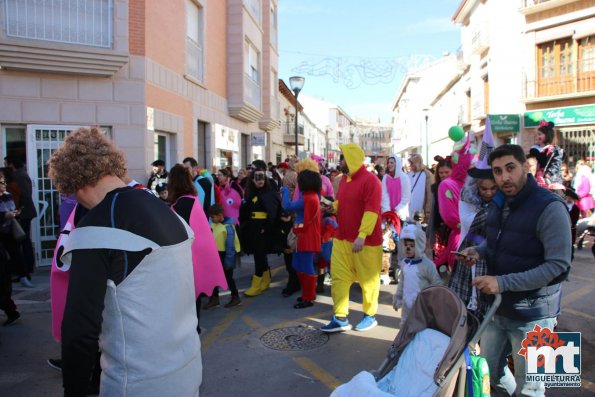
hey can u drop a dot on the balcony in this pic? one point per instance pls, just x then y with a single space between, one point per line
289 133
271 115
252 92
528 7
194 60
83 43
572 84
246 104
479 40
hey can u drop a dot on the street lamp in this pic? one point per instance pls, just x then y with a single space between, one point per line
296 83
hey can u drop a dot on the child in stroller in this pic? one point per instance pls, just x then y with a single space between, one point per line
429 348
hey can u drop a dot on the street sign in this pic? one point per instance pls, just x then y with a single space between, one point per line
505 122
258 139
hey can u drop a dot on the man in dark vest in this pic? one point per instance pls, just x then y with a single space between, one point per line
527 250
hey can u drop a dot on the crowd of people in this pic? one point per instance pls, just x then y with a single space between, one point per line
480 223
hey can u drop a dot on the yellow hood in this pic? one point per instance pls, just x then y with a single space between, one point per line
354 156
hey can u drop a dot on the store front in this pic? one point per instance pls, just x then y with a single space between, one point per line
576 126
227 147
505 128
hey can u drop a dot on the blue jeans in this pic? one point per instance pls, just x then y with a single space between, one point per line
502 337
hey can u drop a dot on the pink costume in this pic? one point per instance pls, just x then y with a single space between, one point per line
231 200
396 191
449 192
582 184
208 271
59 277
327 189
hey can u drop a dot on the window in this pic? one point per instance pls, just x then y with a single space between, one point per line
252 72
555 67
252 62
586 59
162 148
486 94
274 83
83 22
273 17
253 7
194 40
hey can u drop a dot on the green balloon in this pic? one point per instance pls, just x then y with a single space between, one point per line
456 133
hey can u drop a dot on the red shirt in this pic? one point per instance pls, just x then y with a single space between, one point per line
363 193
309 238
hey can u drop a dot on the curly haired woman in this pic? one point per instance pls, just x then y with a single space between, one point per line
118 287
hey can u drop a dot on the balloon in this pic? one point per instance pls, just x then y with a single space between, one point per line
456 133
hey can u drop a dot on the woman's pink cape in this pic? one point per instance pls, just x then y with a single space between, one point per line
59 277
208 271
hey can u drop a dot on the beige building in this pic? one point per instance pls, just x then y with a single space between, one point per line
375 140
164 79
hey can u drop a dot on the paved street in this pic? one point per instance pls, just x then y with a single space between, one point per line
237 363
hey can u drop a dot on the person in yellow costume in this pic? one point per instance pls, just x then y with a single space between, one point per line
357 247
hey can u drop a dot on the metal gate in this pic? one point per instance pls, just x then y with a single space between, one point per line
42 140
578 143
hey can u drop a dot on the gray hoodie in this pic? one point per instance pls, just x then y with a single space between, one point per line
416 273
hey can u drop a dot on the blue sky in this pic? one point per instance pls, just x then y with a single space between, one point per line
355 53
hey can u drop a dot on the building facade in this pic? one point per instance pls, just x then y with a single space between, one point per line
416 125
559 73
197 80
375 139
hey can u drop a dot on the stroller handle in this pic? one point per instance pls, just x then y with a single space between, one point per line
486 319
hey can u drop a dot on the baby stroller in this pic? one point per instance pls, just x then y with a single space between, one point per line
391 229
434 362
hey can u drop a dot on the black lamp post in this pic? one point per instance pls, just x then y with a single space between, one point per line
296 83
426 116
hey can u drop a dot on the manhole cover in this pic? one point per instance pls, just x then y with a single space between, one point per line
294 338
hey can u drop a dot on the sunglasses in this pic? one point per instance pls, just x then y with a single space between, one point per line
259 176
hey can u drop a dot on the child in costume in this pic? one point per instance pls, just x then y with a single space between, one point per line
549 158
584 182
417 270
323 260
161 190
228 246
307 231
449 192
391 227
231 195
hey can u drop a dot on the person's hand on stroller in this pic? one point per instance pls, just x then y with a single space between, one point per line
486 284
468 256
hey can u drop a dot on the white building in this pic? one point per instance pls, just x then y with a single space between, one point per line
491 33
412 108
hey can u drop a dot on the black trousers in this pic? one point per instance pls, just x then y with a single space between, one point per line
27 247
261 262
16 262
230 283
6 302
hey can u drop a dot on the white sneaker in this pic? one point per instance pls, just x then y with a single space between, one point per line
385 279
26 283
